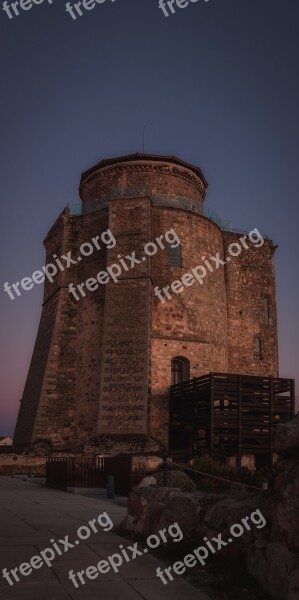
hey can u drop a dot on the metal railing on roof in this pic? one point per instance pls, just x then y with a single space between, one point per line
99 203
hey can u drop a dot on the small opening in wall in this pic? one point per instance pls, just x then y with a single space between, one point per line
266 311
258 345
174 256
180 370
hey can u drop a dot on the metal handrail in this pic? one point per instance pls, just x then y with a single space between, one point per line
215 477
96 204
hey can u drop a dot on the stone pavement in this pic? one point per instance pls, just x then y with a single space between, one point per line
31 516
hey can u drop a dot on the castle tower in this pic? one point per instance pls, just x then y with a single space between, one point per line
106 352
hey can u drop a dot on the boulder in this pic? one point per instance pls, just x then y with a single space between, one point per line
228 512
182 509
147 481
293 588
272 566
144 509
271 551
287 438
275 563
285 507
151 509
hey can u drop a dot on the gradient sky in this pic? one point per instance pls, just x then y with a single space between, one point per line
217 84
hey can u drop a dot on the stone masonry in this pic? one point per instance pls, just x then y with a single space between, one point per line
102 365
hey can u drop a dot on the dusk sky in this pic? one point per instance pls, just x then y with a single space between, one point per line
217 84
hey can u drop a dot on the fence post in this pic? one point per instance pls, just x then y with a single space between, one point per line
165 470
110 487
239 441
212 414
271 421
292 398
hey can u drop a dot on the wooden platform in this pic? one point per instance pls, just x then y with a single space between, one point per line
223 415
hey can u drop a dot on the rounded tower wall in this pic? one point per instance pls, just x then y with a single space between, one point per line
140 178
193 323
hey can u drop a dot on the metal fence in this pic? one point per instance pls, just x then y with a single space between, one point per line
208 483
100 203
82 472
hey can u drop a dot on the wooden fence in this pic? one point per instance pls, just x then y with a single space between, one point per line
83 472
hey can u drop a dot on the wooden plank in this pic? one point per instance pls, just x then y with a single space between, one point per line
211 415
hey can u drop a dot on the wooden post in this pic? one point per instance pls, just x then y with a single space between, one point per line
110 487
212 398
292 395
165 470
170 421
271 420
239 455
195 419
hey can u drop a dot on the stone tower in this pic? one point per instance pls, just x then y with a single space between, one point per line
101 366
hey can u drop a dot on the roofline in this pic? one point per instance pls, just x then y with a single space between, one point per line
139 156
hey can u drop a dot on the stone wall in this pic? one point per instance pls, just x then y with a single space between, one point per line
156 175
192 324
250 278
14 464
124 394
102 365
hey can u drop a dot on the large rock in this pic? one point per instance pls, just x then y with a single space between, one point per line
272 566
145 507
151 509
271 552
230 511
287 438
285 505
293 591
181 508
146 481
275 563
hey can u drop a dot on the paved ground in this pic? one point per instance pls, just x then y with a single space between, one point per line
31 516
